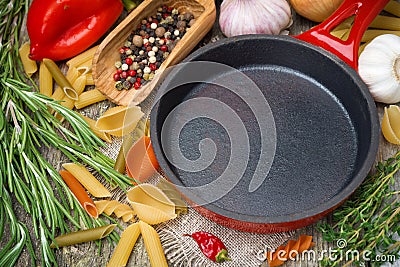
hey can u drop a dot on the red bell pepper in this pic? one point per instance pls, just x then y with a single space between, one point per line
60 29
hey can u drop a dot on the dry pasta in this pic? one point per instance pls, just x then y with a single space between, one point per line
82 57
45 80
170 191
119 120
30 66
88 98
150 204
89 79
80 193
92 124
293 247
60 78
85 67
87 180
82 236
125 245
153 245
113 206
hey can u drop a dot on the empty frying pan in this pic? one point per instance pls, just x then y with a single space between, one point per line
268 133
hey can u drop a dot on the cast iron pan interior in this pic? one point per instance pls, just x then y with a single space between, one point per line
326 129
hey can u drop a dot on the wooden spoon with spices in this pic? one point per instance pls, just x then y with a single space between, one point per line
107 54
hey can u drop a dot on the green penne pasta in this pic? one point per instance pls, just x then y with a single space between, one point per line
82 236
60 79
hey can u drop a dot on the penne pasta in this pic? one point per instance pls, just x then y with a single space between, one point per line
153 245
119 164
92 124
150 204
60 78
125 245
45 80
82 236
58 94
87 180
82 57
113 206
88 98
85 67
30 66
120 120
89 79
79 85
80 193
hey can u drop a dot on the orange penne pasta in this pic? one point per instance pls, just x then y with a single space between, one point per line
289 251
80 193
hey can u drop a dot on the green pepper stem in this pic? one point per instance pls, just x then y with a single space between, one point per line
129 5
222 256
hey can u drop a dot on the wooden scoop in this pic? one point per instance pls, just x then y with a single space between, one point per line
108 51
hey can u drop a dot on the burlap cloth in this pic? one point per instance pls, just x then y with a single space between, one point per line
243 248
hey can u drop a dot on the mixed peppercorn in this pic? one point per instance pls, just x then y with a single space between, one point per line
149 45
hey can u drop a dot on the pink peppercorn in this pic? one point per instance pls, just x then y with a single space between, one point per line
116 77
153 67
164 48
129 61
136 85
132 73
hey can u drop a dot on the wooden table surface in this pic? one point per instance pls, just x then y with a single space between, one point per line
87 254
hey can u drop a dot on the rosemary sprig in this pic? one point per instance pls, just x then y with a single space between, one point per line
26 125
368 221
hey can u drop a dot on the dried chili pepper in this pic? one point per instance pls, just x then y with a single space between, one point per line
211 246
64 28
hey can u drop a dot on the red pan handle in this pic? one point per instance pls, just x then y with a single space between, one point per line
364 10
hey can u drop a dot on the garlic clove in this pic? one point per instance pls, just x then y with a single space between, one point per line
391 119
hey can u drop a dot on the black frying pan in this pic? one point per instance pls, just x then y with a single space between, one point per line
269 133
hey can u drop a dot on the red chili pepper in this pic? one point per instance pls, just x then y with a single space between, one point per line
60 29
211 246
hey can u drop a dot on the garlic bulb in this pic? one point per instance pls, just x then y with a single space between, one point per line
379 67
315 10
239 17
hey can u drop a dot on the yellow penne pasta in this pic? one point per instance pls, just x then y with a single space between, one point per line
82 57
58 94
153 245
88 98
87 180
79 84
82 236
150 204
113 206
45 80
120 120
125 245
30 66
92 124
85 67
89 79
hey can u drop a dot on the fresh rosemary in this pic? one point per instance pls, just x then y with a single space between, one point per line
27 125
369 221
